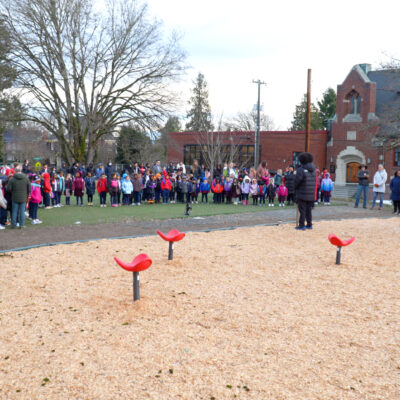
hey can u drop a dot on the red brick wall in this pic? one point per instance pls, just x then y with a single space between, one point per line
277 147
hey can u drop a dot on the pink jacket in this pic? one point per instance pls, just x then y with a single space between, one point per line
282 191
36 194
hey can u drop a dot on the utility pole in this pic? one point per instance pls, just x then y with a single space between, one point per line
257 131
308 114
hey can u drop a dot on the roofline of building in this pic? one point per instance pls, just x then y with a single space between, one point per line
252 132
360 72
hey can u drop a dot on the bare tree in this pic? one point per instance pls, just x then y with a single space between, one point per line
220 146
85 72
246 121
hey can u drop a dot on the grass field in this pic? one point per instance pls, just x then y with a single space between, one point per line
85 215
69 215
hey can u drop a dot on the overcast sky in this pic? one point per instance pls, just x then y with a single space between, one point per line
233 42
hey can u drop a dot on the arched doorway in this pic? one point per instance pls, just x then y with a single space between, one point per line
352 157
352 172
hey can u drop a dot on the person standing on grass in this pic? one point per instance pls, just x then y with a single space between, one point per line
68 189
282 194
380 178
363 184
204 189
113 187
305 184
90 185
271 192
245 189
326 189
261 174
46 187
395 196
20 188
126 189
3 207
165 189
290 179
78 187
217 189
137 189
99 171
35 200
61 181
235 191
55 189
102 190
254 191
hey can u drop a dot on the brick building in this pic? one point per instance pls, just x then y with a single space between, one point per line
366 103
279 148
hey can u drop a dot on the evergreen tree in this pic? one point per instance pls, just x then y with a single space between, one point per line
299 117
173 124
130 142
135 145
327 106
199 114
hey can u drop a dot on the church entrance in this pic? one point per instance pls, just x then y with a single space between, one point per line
347 163
352 171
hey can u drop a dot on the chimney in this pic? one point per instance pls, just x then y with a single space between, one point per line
365 67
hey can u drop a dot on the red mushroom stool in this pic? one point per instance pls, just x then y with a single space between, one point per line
339 243
139 263
171 237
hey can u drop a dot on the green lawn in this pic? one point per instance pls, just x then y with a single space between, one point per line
69 215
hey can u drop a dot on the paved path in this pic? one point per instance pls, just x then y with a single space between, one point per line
11 239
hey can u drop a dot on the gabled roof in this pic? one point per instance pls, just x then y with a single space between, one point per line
360 69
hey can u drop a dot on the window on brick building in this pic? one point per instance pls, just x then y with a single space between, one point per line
397 157
296 162
243 155
355 102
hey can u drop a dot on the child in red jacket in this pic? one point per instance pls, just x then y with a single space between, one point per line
165 189
46 185
102 190
217 188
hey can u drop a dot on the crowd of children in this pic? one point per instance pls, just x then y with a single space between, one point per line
142 184
145 185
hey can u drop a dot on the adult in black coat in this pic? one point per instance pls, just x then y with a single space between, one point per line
305 185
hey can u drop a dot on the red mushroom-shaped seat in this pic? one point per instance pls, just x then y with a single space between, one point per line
139 263
172 236
339 242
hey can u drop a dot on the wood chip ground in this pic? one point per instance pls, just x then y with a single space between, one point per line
252 313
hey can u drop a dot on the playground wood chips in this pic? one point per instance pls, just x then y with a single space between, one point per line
252 313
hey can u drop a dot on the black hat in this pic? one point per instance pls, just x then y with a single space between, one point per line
306 158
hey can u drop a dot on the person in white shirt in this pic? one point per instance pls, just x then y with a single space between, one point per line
380 179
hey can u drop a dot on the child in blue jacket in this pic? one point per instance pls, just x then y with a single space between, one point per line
204 189
326 189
